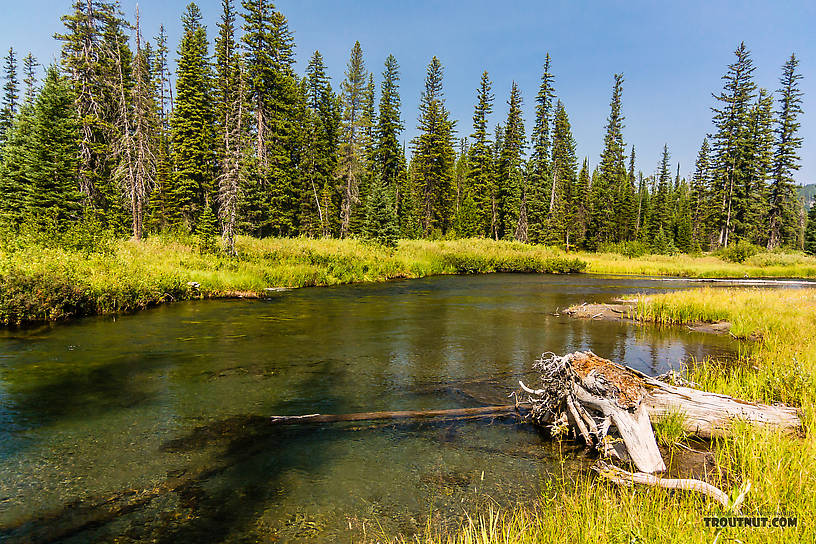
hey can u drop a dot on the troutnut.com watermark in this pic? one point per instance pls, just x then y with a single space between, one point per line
750 521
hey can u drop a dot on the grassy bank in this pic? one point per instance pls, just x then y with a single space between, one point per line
39 283
761 265
778 366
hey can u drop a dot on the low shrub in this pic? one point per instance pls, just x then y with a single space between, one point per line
739 252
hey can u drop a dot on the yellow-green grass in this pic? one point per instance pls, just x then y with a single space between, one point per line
40 283
776 366
762 265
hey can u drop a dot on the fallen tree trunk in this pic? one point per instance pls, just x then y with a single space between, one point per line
592 395
401 414
711 415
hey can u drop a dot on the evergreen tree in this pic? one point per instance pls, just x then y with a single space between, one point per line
480 162
11 95
162 79
810 231
14 167
607 191
274 187
388 154
511 191
731 143
142 143
565 192
783 202
660 213
381 218
320 156
191 126
682 219
352 154
434 157
96 56
541 194
700 203
51 197
750 218
581 206
30 66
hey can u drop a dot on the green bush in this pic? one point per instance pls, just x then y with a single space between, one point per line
42 296
739 252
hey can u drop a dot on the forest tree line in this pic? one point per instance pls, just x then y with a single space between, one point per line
241 143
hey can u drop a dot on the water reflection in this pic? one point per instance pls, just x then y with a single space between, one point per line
170 404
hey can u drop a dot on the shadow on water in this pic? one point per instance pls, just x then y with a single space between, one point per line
206 503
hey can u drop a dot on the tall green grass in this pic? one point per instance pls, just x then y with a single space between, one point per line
43 282
762 265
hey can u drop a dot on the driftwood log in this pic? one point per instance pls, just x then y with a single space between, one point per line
592 396
454 413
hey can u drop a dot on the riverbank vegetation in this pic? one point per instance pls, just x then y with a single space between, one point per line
778 365
51 277
47 282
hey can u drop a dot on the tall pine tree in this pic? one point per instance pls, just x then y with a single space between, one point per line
783 202
434 157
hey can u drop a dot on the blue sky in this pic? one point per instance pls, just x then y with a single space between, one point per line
672 55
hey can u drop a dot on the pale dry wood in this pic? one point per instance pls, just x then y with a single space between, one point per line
591 392
622 477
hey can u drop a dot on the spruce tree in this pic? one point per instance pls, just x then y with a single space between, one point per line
274 186
731 143
581 207
561 223
11 95
605 224
381 218
434 157
541 187
810 231
700 198
511 189
352 149
51 197
388 154
14 168
320 156
192 124
783 202
30 66
661 215
480 162
750 217
97 58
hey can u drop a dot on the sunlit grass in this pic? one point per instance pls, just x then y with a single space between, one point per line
50 283
763 265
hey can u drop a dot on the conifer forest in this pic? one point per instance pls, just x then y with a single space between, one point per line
237 142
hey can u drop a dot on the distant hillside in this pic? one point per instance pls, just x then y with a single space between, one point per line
808 193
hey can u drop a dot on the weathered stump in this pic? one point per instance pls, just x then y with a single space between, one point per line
591 395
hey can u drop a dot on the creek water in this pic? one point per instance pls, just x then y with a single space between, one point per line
151 427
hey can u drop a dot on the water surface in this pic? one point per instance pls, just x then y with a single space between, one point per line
150 427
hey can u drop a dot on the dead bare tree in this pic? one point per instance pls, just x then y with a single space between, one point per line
138 127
